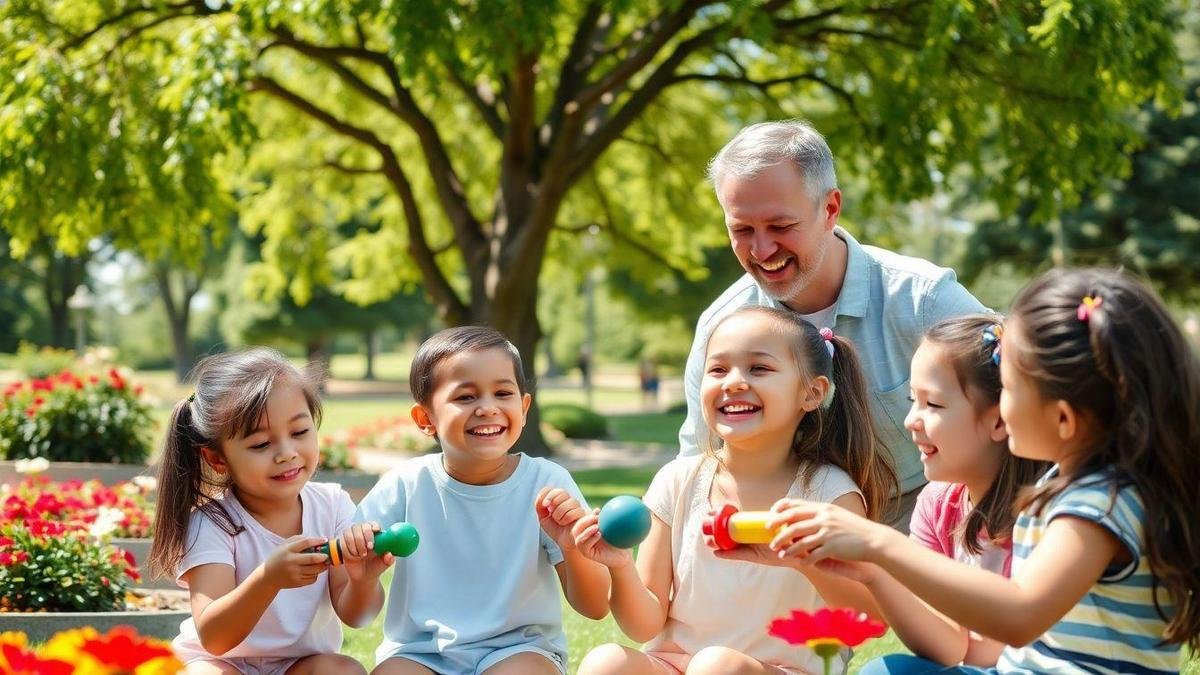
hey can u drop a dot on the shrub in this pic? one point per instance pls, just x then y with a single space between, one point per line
37 363
71 418
85 507
389 433
45 567
575 421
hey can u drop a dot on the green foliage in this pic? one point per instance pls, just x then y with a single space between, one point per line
575 421
69 418
45 568
1147 221
41 362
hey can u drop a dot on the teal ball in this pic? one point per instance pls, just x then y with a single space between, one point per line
624 521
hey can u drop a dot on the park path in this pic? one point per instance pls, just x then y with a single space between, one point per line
572 455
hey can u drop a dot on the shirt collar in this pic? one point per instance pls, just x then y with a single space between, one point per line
852 300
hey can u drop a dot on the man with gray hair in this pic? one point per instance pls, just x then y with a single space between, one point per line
777 185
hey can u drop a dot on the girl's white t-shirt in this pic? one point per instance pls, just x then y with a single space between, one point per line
300 621
730 603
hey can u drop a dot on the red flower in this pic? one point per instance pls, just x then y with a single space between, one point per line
31 412
124 648
5 542
115 378
42 385
22 662
6 559
827 630
845 626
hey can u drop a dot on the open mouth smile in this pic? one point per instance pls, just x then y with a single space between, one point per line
487 430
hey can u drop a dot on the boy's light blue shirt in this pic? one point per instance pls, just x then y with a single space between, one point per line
482 578
886 304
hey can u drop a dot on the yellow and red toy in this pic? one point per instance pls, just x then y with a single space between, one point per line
730 528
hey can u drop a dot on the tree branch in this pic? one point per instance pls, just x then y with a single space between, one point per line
79 40
445 179
352 170
474 94
450 305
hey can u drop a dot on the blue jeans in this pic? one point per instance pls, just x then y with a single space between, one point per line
907 664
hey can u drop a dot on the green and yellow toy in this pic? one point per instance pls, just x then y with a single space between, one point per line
400 540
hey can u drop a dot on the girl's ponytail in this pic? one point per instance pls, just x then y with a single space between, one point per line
847 435
180 479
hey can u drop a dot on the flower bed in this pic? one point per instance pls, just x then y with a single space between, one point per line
71 417
123 510
86 650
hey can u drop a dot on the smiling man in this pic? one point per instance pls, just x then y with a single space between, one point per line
777 185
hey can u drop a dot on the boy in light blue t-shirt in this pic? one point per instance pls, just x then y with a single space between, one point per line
479 592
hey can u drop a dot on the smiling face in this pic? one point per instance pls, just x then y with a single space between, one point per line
754 393
779 235
276 459
957 439
476 410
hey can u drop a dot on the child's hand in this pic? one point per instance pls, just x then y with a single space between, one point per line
358 544
289 567
557 511
593 547
816 531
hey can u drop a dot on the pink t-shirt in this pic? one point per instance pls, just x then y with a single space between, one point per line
940 508
299 621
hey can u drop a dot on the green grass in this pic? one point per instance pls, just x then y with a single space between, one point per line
646 427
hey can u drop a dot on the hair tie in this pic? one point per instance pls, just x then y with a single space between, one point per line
192 397
1087 306
991 336
827 335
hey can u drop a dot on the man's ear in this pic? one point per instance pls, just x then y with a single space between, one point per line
214 459
424 422
815 393
832 208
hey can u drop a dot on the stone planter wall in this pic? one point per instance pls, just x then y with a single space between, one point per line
109 474
41 626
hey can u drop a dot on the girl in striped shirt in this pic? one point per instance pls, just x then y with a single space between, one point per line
1099 380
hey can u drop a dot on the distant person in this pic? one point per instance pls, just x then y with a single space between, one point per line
785 402
777 186
259 602
584 363
497 551
648 381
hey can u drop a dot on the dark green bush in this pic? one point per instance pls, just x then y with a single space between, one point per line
575 421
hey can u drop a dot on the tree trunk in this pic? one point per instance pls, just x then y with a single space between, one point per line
179 311
369 338
63 274
319 350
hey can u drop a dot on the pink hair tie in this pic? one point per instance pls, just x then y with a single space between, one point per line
827 336
1087 306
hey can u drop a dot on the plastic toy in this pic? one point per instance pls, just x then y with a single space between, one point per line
624 521
730 528
400 539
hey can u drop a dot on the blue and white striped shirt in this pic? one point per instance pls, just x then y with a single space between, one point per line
1114 628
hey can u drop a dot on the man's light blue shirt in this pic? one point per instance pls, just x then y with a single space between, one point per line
886 304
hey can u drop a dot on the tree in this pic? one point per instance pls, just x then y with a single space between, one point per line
1147 221
486 131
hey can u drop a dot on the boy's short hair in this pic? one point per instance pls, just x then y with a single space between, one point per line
450 342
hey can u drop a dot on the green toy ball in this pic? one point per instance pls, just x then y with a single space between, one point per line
624 521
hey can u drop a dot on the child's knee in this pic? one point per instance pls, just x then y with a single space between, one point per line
605 659
719 661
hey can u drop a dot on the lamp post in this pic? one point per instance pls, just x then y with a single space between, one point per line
81 301
589 290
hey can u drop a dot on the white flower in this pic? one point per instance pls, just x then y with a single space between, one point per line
146 483
107 521
130 490
32 466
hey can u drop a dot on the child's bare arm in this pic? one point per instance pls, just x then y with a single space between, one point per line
584 582
354 588
226 612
